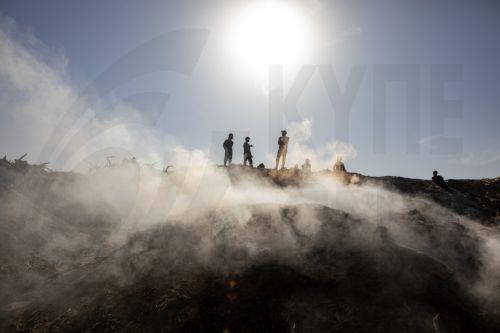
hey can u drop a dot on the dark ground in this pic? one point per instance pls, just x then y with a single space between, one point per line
351 276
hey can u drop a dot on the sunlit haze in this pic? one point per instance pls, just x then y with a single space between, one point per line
397 88
249 166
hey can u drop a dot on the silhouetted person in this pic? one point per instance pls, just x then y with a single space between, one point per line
439 180
247 154
228 149
339 166
282 149
306 167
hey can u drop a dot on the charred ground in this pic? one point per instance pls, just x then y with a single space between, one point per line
59 271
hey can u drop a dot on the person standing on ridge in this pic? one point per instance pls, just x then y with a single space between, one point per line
282 149
247 154
228 149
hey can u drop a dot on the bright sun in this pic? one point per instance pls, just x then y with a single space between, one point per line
268 33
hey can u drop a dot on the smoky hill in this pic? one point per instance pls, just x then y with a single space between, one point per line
130 249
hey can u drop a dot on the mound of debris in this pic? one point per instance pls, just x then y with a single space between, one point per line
288 268
478 199
340 279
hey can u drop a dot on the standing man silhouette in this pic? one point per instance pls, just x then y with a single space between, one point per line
228 149
282 149
247 154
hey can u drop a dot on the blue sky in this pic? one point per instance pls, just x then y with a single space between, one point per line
215 98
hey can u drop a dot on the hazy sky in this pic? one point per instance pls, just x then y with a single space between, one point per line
82 40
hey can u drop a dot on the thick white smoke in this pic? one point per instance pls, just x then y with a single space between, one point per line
196 194
321 157
35 96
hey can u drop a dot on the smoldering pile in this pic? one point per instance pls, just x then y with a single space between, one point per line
131 249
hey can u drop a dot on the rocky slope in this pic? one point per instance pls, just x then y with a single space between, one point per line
476 198
289 267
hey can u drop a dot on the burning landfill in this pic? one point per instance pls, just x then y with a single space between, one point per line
122 246
128 248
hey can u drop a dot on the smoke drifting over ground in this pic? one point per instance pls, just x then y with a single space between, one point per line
66 235
131 248
321 157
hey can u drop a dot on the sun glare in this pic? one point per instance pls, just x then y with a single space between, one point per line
268 33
